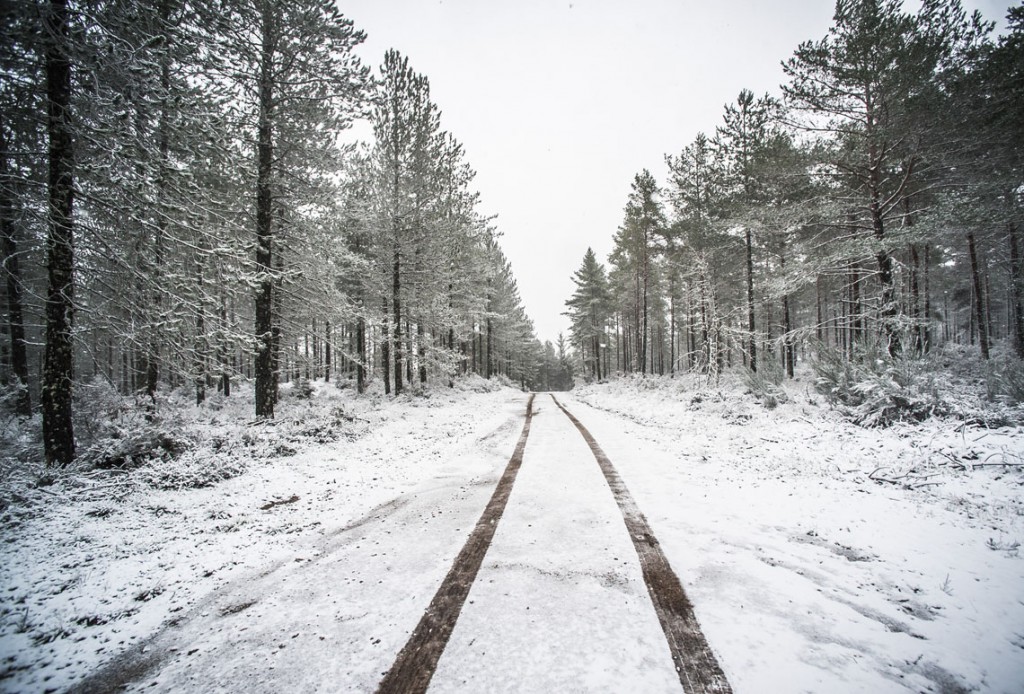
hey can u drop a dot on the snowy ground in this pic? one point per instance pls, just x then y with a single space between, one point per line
820 556
806 574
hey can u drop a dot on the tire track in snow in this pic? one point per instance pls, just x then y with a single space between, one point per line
416 662
699 671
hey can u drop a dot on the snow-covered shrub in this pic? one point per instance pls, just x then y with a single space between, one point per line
765 384
475 383
117 431
303 389
1004 379
875 389
193 470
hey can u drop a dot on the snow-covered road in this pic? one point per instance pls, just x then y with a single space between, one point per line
805 574
560 603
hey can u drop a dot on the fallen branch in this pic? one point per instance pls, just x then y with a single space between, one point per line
280 502
890 480
953 459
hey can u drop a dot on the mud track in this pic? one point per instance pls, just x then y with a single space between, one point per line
696 664
417 661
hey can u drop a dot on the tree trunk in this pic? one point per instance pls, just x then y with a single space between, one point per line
163 137
199 377
275 332
751 327
385 346
927 317
979 301
672 327
422 352
264 370
410 348
819 328
490 341
1017 290
396 306
222 356
915 299
58 359
361 352
644 346
327 352
856 317
12 271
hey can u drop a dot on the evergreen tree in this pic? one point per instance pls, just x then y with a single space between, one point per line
743 141
589 309
858 85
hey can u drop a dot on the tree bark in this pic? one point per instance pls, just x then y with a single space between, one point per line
927 317
979 301
751 327
164 148
915 299
385 347
1016 290
422 352
644 347
396 305
490 341
361 352
12 272
200 348
225 368
264 307
327 352
58 359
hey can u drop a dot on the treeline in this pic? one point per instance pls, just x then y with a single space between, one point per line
873 210
179 210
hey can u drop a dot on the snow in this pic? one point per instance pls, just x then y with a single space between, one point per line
820 556
560 588
807 575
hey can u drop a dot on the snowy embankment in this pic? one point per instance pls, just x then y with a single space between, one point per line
95 564
822 556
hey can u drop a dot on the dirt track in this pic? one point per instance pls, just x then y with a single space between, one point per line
695 663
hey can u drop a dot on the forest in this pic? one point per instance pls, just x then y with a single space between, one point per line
867 222
185 209
181 209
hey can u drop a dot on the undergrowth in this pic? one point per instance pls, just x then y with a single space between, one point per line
765 384
876 389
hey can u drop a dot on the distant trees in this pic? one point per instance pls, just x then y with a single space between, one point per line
176 168
638 242
874 210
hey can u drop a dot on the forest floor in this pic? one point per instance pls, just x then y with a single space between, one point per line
819 555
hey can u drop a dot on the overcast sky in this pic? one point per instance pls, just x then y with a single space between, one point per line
560 103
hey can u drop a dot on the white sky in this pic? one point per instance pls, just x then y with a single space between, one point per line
559 103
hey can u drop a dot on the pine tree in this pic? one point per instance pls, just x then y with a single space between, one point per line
695 191
589 309
857 85
295 67
743 143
